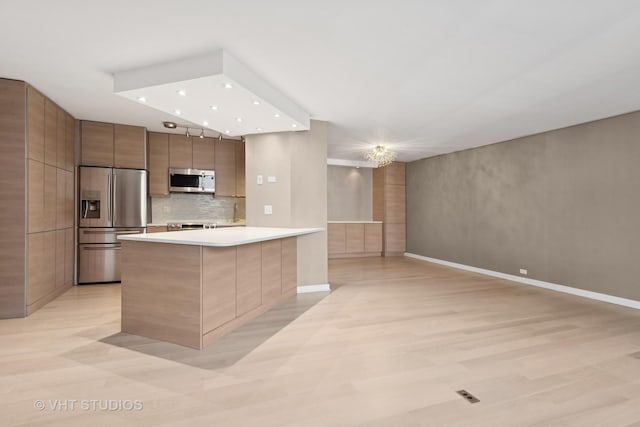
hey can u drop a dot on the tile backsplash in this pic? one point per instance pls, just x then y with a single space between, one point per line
183 206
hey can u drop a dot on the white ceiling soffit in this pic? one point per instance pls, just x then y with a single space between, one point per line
213 91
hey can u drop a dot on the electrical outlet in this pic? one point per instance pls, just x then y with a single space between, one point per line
523 271
268 209
259 179
271 179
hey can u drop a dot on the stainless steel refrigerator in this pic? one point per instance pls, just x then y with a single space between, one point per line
113 202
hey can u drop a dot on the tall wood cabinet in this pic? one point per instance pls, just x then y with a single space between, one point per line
389 206
36 253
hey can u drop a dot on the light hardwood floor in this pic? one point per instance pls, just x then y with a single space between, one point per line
388 347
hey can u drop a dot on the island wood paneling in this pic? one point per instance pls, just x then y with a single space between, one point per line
271 270
289 264
249 277
13 221
218 287
161 292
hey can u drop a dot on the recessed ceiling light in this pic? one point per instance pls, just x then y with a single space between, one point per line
276 115
228 86
142 99
169 125
294 125
258 129
213 107
178 112
205 123
227 131
256 102
181 92
239 119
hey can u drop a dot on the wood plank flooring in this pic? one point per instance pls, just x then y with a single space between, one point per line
390 346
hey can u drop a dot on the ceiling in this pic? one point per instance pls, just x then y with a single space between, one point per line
424 76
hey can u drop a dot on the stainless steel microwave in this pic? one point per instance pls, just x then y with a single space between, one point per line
192 181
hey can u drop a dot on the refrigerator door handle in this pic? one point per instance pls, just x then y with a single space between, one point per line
102 248
113 198
109 198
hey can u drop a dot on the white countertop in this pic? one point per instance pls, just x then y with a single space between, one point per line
354 222
231 236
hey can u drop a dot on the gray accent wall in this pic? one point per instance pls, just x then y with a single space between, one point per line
564 204
349 193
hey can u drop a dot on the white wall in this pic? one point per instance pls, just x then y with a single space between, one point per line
298 160
349 193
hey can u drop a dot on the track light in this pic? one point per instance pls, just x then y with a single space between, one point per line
220 137
188 134
201 133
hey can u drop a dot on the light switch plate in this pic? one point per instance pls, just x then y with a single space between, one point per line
259 179
268 209
523 271
271 179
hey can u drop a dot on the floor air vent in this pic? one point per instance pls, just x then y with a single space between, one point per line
468 396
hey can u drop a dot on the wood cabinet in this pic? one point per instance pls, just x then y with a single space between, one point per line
389 206
129 145
50 197
240 169
337 238
50 132
180 151
355 238
112 145
158 164
156 228
373 237
36 196
96 144
225 167
218 287
36 124
203 156
351 239
61 138
70 132
37 254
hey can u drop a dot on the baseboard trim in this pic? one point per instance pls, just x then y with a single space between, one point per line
314 288
533 282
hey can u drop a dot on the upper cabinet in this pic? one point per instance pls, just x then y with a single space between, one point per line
158 164
106 144
203 153
36 124
180 152
225 167
130 147
96 144
50 132
240 168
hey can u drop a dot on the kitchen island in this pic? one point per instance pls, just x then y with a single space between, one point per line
192 287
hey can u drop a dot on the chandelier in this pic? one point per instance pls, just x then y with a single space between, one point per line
380 155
